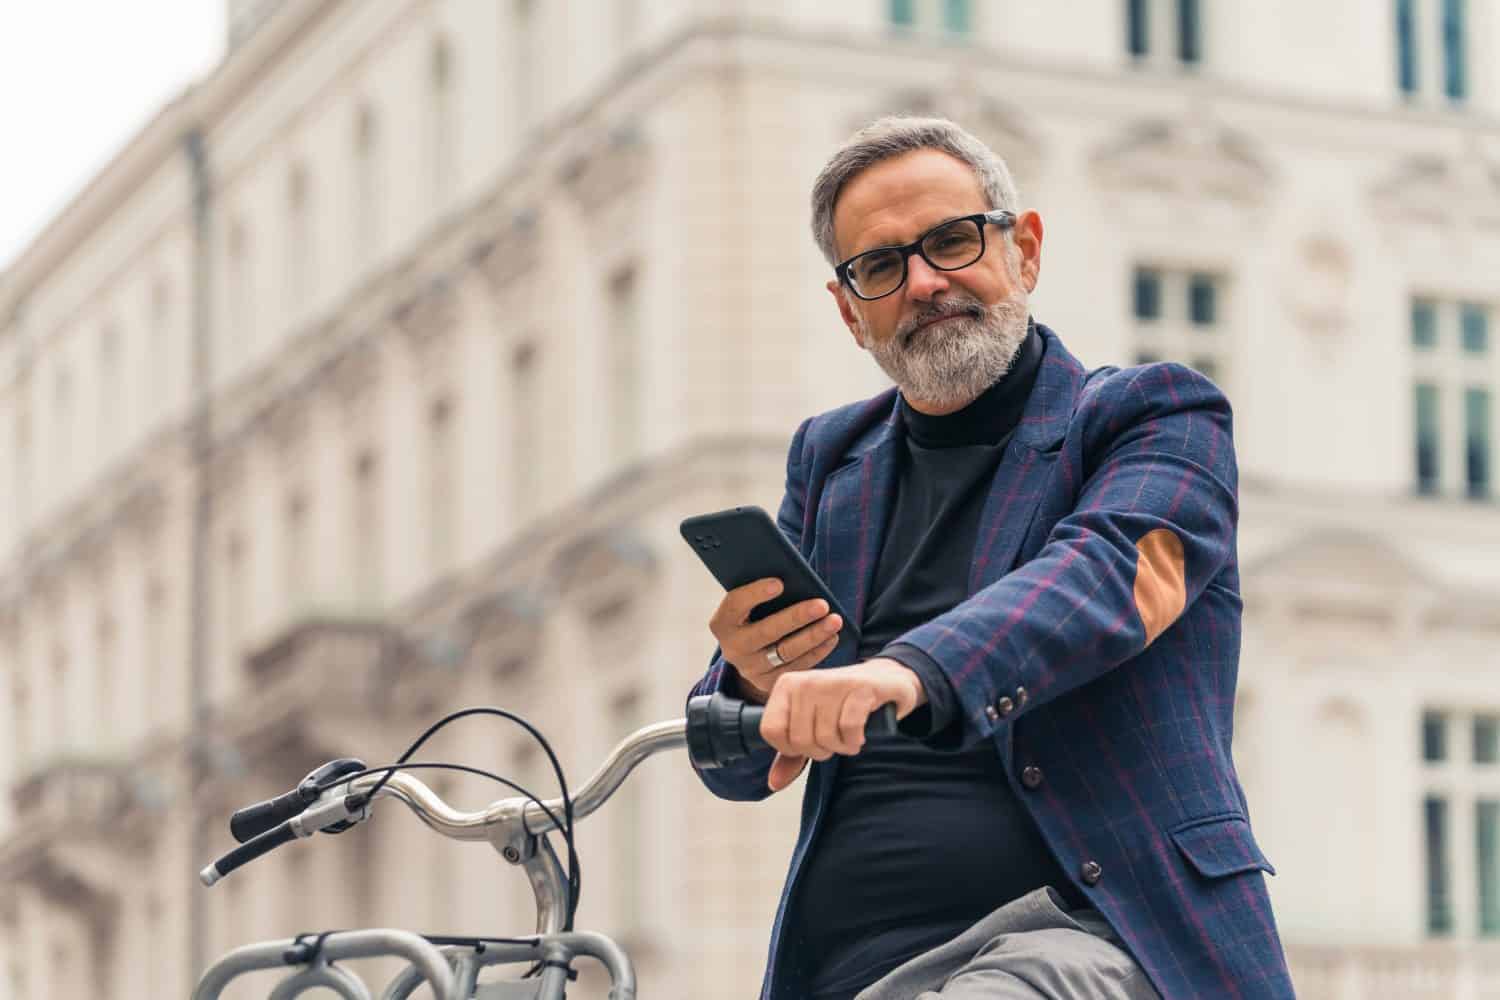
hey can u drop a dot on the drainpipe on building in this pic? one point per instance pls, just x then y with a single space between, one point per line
200 432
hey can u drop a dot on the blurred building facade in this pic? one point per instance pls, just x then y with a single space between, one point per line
372 379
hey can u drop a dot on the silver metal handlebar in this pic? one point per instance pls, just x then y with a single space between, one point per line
519 815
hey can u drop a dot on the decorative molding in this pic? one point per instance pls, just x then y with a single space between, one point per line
508 258
608 167
284 422
353 377
429 317
1319 284
1188 165
1450 193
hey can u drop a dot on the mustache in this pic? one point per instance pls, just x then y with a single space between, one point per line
971 309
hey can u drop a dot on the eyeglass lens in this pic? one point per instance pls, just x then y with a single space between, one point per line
948 248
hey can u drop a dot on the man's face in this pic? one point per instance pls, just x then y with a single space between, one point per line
943 336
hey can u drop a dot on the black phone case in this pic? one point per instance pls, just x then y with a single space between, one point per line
742 544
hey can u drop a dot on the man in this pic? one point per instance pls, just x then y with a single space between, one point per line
1042 561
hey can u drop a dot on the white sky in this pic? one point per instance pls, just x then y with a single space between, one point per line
78 78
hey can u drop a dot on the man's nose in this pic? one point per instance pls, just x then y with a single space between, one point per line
923 281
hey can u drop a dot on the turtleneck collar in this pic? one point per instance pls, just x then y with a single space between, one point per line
990 417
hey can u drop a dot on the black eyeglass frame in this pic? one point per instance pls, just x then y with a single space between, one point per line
1001 217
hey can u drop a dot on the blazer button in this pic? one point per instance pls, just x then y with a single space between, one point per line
990 713
1021 697
1031 776
1091 873
1005 705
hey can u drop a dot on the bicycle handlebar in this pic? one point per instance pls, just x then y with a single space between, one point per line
252 821
718 731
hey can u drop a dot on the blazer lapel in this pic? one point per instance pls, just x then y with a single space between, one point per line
1025 469
861 493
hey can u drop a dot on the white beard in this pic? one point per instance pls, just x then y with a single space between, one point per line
950 364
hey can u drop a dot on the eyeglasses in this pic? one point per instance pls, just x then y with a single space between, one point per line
951 246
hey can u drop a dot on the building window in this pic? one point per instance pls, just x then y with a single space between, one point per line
1455 73
1434 737
1406 46
1477 443
1138 27
525 424
1487 839
1201 300
108 417
241 299
1147 294
1189 33
954 18
443 133
234 603
442 502
1167 29
368 204
367 541
62 409
1439 908
107 717
1423 324
1455 380
1179 317
158 362
153 658
1487 739
958 17
1474 321
1463 901
23 483
299 248
1432 48
1429 440
623 370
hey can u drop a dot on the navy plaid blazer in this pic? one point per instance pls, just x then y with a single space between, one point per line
1099 644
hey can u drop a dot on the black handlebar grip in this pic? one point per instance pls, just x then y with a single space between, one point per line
722 730
248 852
254 820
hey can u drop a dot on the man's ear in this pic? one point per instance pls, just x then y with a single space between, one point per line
1028 240
846 311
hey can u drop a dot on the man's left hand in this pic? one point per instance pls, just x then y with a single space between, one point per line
819 713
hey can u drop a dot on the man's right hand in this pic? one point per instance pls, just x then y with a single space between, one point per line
802 635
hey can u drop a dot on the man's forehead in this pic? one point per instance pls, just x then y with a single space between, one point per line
897 199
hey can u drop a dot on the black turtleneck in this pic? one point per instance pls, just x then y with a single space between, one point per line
921 841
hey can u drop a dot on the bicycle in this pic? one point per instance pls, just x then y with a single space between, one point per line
340 794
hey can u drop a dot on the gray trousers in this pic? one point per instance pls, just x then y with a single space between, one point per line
1031 947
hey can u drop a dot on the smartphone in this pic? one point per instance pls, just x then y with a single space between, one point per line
742 544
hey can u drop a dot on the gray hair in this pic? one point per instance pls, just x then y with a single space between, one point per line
891 136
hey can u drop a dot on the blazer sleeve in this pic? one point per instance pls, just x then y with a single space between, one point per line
745 781
1153 524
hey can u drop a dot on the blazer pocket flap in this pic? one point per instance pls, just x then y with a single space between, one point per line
1220 847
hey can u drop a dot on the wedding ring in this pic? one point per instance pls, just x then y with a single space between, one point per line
774 657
